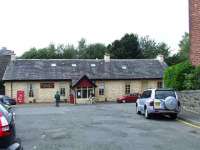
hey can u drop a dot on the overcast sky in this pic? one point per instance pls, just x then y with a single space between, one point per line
36 23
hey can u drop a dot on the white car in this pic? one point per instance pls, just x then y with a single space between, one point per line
158 101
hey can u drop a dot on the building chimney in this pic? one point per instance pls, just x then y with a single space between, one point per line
194 17
13 57
107 57
160 58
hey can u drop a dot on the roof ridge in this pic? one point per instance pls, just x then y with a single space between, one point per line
86 59
59 59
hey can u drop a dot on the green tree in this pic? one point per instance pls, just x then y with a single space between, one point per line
51 52
184 46
69 52
173 60
183 54
31 54
125 48
93 51
150 48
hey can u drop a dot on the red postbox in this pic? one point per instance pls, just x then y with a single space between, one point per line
20 97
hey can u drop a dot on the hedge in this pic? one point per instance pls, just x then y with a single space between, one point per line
182 76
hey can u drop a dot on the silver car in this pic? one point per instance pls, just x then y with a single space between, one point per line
158 101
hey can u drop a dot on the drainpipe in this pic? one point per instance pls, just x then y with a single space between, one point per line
11 86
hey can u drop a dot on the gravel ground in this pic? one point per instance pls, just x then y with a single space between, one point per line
99 127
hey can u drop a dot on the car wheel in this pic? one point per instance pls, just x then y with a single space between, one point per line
146 114
123 101
173 116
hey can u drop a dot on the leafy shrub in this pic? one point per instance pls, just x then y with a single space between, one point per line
181 76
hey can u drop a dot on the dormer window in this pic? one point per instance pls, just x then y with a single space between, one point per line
73 65
93 65
53 65
124 67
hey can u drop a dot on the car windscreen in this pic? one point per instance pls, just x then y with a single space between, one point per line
162 94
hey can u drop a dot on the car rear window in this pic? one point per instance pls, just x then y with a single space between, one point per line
162 94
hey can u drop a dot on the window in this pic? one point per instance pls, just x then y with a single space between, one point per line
46 85
78 93
53 65
73 65
84 93
101 91
74 68
30 94
124 67
90 92
101 88
62 91
160 84
93 65
127 89
146 94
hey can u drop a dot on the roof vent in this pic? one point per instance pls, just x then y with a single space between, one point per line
124 67
73 65
53 65
93 65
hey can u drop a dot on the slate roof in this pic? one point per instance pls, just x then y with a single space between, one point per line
4 60
45 69
6 52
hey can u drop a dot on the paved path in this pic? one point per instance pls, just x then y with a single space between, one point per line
190 117
100 127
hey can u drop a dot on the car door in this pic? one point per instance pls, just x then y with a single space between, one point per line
129 98
145 96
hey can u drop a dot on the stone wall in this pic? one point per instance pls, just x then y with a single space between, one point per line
116 88
190 100
112 89
40 94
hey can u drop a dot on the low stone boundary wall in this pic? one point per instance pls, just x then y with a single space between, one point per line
190 100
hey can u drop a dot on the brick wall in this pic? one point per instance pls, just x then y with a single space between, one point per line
194 8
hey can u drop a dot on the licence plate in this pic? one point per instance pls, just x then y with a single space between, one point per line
157 104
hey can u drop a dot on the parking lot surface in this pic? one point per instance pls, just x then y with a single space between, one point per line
99 127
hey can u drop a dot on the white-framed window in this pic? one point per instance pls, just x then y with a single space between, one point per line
159 84
101 88
62 91
127 88
84 92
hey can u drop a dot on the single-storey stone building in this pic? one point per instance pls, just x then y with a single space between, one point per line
105 78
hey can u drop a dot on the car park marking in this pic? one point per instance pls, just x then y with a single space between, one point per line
188 124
